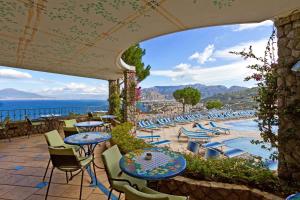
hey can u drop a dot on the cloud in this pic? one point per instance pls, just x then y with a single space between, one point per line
204 56
78 90
230 74
14 74
242 27
258 48
227 74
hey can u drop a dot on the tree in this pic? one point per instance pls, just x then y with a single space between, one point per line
133 56
187 96
217 104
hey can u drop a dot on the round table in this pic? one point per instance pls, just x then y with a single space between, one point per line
89 139
108 116
51 119
50 116
89 125
293 196
164 164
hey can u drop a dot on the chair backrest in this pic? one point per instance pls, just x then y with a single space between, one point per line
111 158
90 115
64 158
133 194
70 122
54 139
28 120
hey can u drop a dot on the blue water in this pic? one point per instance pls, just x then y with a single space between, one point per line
245 125
17 109
244 143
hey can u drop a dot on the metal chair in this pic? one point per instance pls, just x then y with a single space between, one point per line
69 128
66 160
54 140
4 128
116 178
33 126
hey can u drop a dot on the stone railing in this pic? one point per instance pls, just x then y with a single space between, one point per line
21 128
212 190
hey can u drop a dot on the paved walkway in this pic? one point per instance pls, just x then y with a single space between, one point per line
22 166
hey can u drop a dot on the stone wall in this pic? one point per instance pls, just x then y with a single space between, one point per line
205 190
130 99
288 33
21 128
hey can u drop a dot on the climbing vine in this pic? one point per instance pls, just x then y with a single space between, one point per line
266 78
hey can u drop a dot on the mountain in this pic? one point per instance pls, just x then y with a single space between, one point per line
166 92
10 93
237 99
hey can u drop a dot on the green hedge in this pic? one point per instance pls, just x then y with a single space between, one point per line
233 170
126 141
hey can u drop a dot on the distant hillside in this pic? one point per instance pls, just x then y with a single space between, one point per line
237 99
166 92
10 93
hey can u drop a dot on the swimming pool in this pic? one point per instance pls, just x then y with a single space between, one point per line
245 125
244 143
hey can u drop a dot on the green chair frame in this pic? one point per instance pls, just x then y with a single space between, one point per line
4 128
66 160
116 178
54 139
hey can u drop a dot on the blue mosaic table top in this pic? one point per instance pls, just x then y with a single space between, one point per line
89 124
294 197
164 164
87 138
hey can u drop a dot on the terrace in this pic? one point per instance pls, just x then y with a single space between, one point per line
88 39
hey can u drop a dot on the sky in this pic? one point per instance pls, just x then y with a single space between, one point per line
188 57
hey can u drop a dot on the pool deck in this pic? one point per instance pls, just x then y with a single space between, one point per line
22 166
171 134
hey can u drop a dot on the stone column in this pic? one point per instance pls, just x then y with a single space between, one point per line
288 33
114 97
129 96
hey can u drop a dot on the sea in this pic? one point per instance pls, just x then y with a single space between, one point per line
17 109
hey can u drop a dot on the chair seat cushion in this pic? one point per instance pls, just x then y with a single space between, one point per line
118 185
75 147
37 123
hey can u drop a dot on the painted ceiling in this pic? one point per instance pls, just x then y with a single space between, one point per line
87 37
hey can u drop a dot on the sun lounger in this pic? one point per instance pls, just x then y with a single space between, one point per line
194 135
161 142
233 153
193 146
212 145
145 137
144 125
202 128
213 125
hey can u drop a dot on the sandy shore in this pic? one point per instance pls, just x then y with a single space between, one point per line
171 134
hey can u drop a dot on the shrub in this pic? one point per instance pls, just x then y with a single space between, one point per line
125 140
233 170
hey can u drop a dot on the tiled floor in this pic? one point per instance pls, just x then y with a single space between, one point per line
22 166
